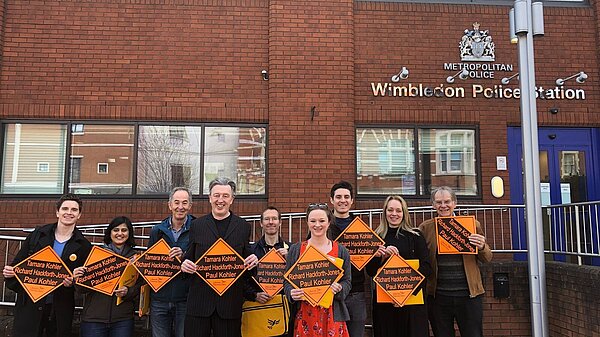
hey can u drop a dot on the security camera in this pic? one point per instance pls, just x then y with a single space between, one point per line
265 74
582 77
402 75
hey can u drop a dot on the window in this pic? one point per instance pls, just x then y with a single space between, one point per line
238 153
102 168
77 128
163 152
105 159
386 160
75 176
24 145
43 167
177 134
180 175
99 146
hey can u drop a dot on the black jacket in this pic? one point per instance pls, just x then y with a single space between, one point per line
101 308
358 276
410 247
203 301
28 315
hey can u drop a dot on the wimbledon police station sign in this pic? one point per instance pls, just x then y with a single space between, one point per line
477 51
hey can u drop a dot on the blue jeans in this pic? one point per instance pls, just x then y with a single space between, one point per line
167 318
115 329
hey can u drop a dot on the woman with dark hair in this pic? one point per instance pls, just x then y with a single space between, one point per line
401 238
101 316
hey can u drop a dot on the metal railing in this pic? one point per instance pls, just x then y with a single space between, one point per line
571 231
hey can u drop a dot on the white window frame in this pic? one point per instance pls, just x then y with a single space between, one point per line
42 164
102 164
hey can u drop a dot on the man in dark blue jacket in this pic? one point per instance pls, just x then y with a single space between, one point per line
168 305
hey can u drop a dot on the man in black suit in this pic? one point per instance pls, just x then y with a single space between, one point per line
207 312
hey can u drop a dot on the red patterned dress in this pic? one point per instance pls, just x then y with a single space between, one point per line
318 321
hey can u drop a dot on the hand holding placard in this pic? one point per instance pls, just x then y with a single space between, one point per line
157 265
220 266
269 272
103 269
313 273
453 235
41 273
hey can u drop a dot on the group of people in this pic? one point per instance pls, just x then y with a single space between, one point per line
187 306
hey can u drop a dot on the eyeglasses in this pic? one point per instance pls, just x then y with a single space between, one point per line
318 206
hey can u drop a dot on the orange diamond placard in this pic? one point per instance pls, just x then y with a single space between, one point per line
398 279
269 272
314 272
360 240
453 234
156 267
383 297
103 270
220 266
41 273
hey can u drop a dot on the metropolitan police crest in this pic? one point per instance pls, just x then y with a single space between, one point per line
477 45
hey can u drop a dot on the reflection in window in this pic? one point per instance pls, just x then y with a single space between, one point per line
168 156
447 157
237 153
385 161
24 145
101 158
102 168
43 167
75 176
76 128
99 147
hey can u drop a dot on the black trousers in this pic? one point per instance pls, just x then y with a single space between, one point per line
48 322
213 326
467 311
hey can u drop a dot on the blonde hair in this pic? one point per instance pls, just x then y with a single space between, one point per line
405 224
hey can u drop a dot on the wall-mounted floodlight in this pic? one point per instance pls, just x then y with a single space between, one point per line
537 18
521 17
497 187
265 74
506 80
402 75
581 77
463 75
511 27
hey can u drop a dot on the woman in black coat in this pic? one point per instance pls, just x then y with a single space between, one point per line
52 315
400 238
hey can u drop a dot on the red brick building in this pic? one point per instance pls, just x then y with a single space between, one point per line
121 100
179 84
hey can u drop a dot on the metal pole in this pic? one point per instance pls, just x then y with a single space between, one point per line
531 170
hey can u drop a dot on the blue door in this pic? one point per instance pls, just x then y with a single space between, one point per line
567 166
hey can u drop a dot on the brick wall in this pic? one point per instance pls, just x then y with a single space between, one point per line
572 300
201 61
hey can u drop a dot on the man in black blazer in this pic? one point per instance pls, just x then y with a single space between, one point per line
209 314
